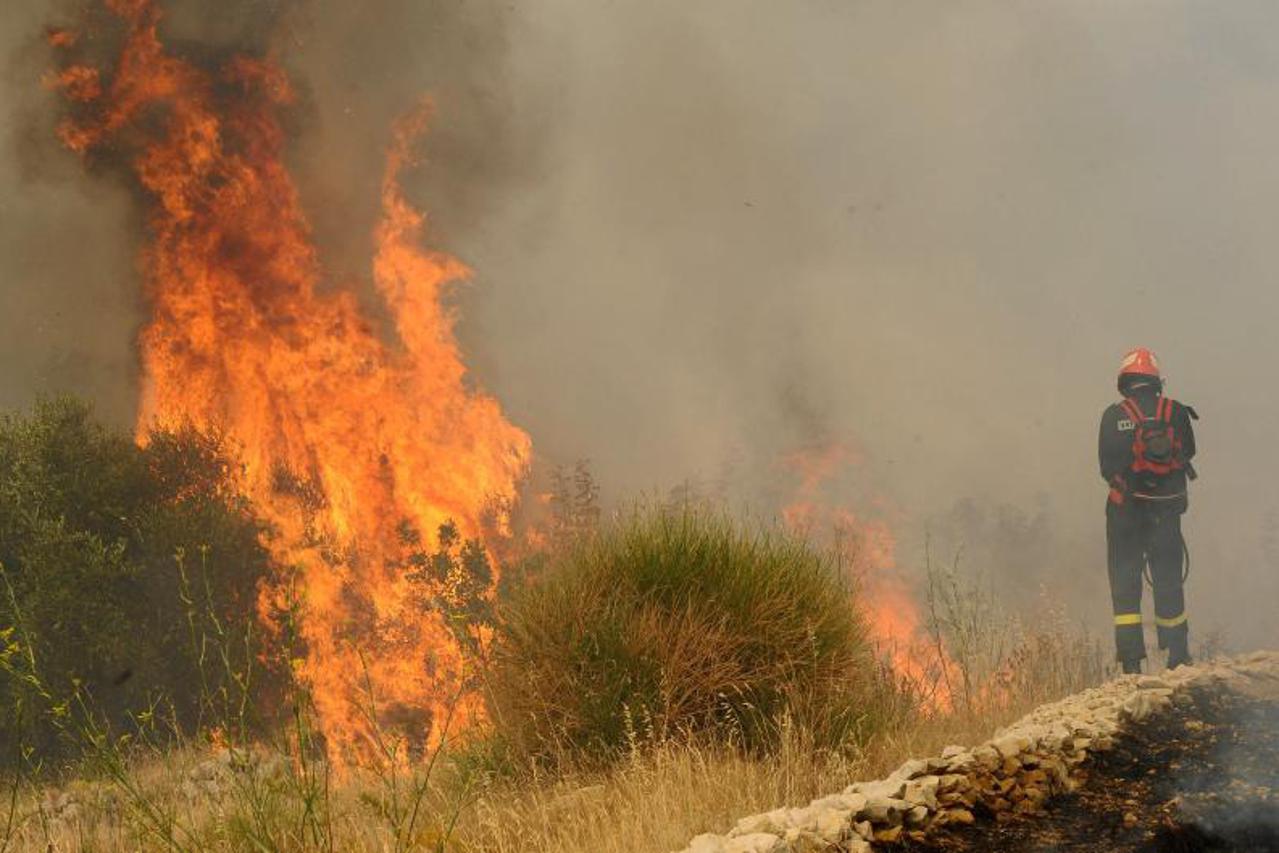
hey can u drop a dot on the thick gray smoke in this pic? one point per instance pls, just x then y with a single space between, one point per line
68 294
709 233
68 280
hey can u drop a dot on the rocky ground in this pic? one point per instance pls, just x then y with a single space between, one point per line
1184 761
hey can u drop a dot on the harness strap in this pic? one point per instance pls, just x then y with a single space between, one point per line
1163 410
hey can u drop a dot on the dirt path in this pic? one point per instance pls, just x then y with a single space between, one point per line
1203 778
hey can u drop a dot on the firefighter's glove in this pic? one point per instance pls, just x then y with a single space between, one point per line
1118 490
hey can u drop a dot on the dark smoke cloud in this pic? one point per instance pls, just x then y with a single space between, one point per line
68 294
706 233
363 65
68 241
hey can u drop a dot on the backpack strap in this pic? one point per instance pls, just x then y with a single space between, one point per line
1164 409
1134 411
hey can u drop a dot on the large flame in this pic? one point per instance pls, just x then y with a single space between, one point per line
868 548
347 441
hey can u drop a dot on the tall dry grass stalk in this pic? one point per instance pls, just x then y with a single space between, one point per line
992 659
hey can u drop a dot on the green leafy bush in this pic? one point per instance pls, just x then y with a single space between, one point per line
671 623
130 574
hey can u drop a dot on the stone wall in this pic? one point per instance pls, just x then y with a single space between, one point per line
1015 772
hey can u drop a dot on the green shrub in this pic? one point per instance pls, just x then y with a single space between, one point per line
129 574
675 623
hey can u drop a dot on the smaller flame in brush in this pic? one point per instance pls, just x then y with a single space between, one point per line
867 548
63 38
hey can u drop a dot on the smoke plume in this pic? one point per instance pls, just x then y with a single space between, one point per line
707 233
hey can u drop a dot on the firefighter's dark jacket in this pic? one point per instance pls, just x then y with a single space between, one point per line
1115 451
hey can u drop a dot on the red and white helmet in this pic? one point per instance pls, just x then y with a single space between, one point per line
1139 362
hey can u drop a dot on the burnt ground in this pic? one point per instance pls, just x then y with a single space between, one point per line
1202 777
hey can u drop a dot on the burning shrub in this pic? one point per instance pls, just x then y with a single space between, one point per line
674 623
122 568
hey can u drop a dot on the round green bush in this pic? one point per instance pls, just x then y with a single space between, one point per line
675 623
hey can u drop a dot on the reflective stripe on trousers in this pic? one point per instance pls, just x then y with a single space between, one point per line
1136 536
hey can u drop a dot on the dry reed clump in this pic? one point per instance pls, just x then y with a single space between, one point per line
671 623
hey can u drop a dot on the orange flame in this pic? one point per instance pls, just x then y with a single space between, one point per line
345 440
869 550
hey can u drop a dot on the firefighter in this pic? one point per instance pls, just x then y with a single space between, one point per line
1145 449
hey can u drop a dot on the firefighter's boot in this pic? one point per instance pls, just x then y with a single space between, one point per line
1179 655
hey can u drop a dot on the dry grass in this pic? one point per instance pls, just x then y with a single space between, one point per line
663 787
652 801
660 798
659 801
655 802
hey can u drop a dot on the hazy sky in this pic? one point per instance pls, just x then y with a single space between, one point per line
708 231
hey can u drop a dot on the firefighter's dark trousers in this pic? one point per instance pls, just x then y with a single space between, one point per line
1138 535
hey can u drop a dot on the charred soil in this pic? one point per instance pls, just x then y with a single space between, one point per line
1203 777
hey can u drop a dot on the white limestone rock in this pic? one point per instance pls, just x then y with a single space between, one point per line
922 791
775 822
886 811
757 842
705 843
